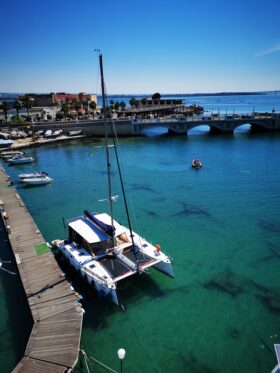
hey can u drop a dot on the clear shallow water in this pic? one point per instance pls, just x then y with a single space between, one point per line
220 225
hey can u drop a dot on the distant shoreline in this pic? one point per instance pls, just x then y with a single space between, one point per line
11 96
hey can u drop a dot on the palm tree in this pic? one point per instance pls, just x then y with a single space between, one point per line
144 101
17 106
92 105
5 108
117 105
133 102
123 105
27 103
156 96
65 109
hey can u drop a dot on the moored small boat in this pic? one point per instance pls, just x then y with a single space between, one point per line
5 143
20 160
36 181
75 133
12 153
196 163
31 175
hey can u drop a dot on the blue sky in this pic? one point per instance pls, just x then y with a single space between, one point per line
148 46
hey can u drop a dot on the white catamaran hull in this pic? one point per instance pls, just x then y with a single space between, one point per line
105 269
97 279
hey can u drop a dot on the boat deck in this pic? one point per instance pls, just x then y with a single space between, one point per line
54 342
117 268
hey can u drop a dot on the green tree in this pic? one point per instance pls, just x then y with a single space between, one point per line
133 102
17 106
122 105
76 104
65 109
5 108
144 101
16 119
117 105
112 103
92 105
27 103
156 96
59 115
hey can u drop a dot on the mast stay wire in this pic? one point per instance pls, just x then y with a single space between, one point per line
122 172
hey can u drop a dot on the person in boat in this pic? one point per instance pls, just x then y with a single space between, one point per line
196 163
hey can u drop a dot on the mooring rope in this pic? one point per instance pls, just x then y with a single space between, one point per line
97 361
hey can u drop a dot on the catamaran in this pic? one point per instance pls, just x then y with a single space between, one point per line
103 251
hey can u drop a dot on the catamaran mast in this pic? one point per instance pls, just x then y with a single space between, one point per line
109 165
106 141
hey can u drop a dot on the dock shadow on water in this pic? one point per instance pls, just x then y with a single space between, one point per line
234 284
98 309
192 364
19 318
273 253
189 209
269 225
227 282
142 187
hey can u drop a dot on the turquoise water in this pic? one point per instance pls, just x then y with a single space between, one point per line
221 226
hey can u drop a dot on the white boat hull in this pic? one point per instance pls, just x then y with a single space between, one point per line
37 181
165 267
104 268
103 287
20 160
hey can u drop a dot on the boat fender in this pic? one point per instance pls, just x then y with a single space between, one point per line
158 247
5 215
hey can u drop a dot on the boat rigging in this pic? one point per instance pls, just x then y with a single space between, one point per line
103 251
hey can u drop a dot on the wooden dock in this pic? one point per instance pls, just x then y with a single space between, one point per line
54 342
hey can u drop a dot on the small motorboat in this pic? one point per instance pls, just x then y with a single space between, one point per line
20 159
10 154
196 163
5 143
75 133
48 134
31 175
57 133
36 181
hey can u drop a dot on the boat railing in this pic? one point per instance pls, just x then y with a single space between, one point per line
99 278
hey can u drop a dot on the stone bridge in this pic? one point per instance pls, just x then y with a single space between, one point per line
176 124
181 125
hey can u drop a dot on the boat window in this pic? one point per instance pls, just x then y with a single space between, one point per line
92 266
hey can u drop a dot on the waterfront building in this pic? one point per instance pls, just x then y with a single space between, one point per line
69 98
60 98
157 106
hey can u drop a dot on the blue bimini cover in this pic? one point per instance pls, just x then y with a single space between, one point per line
105 227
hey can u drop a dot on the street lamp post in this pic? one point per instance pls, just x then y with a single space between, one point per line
121 355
